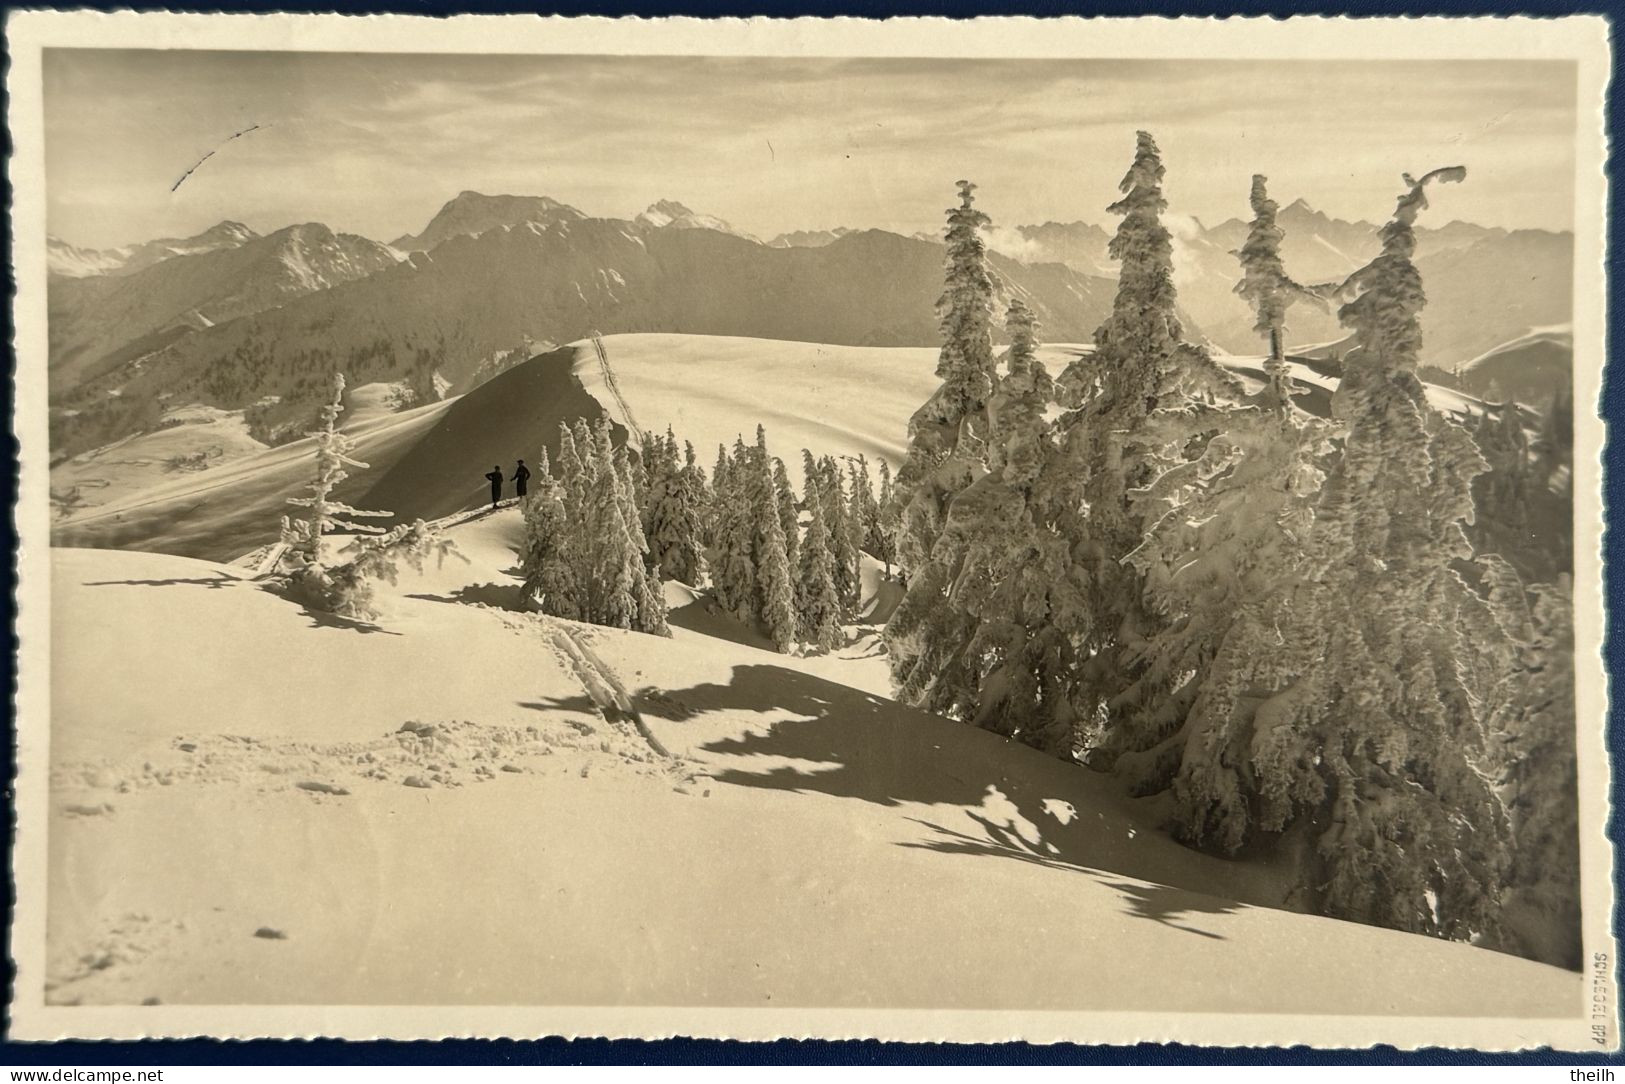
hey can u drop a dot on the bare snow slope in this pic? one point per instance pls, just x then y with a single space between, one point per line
238 816
833 400
194 439
224 512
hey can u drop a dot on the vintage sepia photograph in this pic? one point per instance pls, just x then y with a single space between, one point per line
1076 530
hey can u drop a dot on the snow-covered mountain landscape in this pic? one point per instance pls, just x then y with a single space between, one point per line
1079 609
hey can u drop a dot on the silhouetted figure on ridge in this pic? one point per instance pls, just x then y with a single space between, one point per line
495 478
521 475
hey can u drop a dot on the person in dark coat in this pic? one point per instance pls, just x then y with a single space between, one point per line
495 478
521 475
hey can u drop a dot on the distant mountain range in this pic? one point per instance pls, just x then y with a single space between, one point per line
234 320
103 321
1485 285
71 261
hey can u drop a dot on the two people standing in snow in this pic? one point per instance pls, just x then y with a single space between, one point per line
521 475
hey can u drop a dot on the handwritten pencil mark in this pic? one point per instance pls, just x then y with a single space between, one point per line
206 157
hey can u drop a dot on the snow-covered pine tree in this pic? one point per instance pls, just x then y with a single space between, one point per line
945 445
855 522
304 538
1109 448
884 539
1502 492
603 439
691 465
342 583
733 559
1267 287
818 609
697 496
616 566
1554 447
789 521
637 478
672 525
775 587
549 576
347 587
1539 779
1222 561
864 504
659 461
573 467
1005 573
843 538
1380 738
647 592
720 483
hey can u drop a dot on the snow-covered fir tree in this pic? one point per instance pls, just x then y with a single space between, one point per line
996 658
775 585
733 557
944 454
844 539
1223 566
304 537
612 590
672 516
650 614
342 583
1502 493
867 506
1108 447
789 521
1380 739
818 609
720 484
883 541
547 568
1539 781
1267 287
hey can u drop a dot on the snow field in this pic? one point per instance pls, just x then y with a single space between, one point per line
235 820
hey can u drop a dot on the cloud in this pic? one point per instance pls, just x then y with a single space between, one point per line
1186 234
1012 243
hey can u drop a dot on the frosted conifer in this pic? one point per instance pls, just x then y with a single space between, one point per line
774 588
342 583
733 559
303 538
944 442
843 543
673 525
1539 781
785 498
818 609
650 613
975 635
1382 738
1109 447
1267 287
546 565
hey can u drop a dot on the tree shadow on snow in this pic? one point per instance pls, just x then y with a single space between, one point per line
498 596
321 619
1163 904
213 582
705 617
846 743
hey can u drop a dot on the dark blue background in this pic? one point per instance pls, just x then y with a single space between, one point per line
683 1051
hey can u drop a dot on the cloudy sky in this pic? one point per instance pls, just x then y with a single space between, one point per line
374 144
